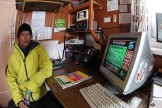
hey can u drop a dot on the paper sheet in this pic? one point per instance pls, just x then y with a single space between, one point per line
59 29
38 19
125 1
123 8
40 32
112 5
107 19
51 48
60 49
124 18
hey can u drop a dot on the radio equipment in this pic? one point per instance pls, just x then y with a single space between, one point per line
84 25
82 15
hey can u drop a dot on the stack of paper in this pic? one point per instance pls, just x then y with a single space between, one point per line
71 79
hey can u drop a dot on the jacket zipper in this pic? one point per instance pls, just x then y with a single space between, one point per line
24 60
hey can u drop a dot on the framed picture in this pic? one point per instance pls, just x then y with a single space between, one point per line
159 27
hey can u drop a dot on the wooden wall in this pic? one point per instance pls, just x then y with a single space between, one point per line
158 62
49 20
110 27
99 15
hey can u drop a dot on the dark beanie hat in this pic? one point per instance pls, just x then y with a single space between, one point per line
24 27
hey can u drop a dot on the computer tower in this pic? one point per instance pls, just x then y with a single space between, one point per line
156 96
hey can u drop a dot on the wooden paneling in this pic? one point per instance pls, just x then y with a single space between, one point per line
49 20
99 15
158 62
41 5
110 27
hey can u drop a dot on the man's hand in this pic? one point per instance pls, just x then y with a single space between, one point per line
21 105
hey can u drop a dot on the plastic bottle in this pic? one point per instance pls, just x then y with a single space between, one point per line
27 98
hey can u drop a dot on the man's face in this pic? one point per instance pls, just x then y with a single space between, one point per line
25 38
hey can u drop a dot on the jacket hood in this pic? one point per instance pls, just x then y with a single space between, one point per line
17 49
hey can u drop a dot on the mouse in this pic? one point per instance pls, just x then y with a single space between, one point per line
135 101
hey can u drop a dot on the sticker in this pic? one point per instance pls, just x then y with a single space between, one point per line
141 71
127 60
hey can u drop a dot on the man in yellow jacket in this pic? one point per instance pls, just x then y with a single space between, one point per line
28 67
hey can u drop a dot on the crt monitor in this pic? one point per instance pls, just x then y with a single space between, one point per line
127 62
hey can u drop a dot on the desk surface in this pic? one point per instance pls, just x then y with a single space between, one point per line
72 98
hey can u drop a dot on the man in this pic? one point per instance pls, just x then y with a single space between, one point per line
28 67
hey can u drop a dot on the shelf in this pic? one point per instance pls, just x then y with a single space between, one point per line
93 32
85 6
96 31
75 51
41 5
91 5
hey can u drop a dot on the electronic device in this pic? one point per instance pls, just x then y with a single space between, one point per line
82 15
99 97
84 25
127 62
72 28
75 42
73 52
156 96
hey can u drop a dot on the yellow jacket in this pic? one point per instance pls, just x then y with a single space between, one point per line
28 73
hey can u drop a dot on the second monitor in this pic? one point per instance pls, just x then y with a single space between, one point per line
128 61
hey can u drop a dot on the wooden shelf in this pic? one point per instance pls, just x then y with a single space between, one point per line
85 6
75 51
41 5
91 5
96 31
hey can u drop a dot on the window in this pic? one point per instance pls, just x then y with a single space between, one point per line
154 6
144 19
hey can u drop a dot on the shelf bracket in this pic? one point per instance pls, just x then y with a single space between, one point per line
94 36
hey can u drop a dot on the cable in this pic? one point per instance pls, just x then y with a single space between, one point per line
63 53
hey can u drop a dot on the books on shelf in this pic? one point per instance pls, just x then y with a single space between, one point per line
71 79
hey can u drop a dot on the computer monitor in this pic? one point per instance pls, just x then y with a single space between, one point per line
127 62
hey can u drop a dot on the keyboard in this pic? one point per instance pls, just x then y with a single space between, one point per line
99 97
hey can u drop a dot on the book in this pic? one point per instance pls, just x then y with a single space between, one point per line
71 79
58 63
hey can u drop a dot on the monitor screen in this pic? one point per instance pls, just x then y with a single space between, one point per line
119 55
128 61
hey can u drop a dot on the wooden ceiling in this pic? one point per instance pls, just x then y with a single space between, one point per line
41 5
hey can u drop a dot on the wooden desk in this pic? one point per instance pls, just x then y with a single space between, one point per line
72 98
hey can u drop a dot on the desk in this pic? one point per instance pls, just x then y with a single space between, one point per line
72 98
